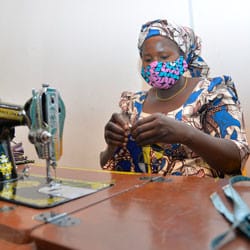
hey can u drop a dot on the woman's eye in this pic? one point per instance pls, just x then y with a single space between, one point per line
164 57
147 60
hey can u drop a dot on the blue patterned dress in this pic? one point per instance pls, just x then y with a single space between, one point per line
213 107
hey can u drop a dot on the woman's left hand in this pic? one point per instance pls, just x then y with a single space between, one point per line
158 128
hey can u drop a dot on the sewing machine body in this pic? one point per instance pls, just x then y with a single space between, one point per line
44 115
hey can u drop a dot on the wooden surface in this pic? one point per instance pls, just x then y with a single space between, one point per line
174 214
17 224
133 214
7 245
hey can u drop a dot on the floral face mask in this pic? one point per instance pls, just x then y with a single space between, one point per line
164 75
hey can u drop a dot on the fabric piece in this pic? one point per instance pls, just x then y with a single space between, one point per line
239 217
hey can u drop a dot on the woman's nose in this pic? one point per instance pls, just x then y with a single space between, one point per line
156 58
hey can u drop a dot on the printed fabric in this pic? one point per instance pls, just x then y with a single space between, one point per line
213 107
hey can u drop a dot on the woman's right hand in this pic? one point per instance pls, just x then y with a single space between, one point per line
116 130
116 135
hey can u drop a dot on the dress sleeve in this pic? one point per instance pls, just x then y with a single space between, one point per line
224 116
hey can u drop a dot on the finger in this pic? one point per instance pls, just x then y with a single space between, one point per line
114 128
144 125
114 139
114 134
148 137
143 120
120 120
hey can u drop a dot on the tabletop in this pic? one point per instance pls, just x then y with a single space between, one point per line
137 212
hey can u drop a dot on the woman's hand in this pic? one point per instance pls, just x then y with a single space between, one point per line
116 130
115 134
158 128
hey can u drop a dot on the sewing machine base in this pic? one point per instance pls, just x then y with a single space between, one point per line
35 192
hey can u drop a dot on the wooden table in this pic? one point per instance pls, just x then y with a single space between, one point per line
17 223
174 214
136 213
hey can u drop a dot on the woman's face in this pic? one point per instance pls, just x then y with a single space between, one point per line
159 48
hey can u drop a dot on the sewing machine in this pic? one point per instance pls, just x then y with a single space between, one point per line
44 115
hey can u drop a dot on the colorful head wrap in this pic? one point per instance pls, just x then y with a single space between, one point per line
184 37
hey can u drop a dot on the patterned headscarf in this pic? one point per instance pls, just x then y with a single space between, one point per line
184 37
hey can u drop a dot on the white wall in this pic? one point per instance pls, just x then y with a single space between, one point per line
88 50
225 30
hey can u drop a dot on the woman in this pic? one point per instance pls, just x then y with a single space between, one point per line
185 124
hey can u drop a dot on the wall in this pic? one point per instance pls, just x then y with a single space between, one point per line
87 49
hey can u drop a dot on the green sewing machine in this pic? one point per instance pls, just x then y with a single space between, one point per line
44 114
